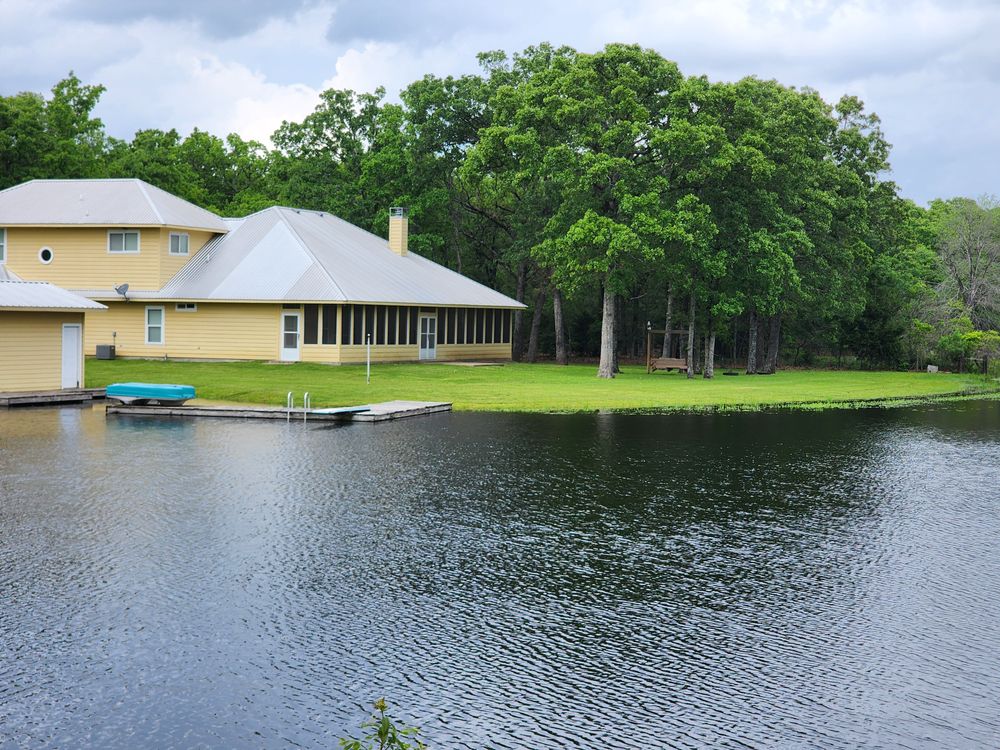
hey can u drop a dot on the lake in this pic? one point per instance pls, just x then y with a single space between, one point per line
782 579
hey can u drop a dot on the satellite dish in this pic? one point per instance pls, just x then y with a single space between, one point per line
122 289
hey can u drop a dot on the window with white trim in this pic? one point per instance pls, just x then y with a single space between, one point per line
179 242
3 244
123 241
186 307
154 325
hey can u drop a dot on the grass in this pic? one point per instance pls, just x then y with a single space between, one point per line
535 388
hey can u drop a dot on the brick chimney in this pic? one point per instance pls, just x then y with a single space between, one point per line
399 230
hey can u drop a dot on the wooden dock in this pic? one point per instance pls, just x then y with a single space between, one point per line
382 412
50 398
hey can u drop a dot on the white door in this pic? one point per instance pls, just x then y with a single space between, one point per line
428 336
290 337
72 355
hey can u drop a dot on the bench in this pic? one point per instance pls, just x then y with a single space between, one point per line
667 363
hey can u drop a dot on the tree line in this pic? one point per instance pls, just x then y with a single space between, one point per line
754 222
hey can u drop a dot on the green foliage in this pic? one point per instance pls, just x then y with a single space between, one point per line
54 137
591 172
381 733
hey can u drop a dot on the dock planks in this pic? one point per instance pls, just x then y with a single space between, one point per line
382 412
47 398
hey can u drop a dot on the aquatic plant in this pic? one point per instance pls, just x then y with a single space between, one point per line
381 733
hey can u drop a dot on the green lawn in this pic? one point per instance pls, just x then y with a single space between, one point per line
520 387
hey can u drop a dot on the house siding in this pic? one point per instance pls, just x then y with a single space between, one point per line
220 330
31 349
171 264
80 257
213 331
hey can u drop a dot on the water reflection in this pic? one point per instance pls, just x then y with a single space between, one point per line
794 580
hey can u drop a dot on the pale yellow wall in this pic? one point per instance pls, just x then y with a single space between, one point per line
214 331
31 349
323 353
400 353
399 234
80 257
245 331
171 264
452 352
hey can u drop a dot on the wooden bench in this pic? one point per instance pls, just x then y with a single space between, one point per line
667 363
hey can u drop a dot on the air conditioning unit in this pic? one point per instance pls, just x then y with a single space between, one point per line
105 351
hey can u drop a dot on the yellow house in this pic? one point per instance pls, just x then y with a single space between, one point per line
41 336
281 284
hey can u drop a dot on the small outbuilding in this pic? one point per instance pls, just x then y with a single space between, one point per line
41 335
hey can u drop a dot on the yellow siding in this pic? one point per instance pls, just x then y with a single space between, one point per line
31 349
171 264
384 353
453 352
322 353
245 331
398 234
80 257
213 331
406 353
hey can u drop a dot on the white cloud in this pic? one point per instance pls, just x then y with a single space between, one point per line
179 79
928 67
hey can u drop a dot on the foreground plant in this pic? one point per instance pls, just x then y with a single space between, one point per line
382 734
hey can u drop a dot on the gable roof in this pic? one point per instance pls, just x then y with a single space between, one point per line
285 254
39 295
115 202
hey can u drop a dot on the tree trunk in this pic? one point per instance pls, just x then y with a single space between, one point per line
773 339
619 322
606 368
691 349
536 324
763 324
562 356
668 348
517 348
752 344
709 369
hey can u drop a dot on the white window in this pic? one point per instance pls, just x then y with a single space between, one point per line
179 243
123 241
3 245
45 255
187 307
154 325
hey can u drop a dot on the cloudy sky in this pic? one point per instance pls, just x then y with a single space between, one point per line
930 69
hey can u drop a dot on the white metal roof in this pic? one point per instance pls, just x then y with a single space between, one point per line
285 254
126 202
39 295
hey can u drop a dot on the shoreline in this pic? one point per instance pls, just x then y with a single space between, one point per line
879 402
543 388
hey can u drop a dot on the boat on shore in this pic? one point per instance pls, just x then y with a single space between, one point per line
149 393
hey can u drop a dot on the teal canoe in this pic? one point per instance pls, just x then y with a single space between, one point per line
142 393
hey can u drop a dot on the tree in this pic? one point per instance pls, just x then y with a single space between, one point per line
155 156
969 246
606 174
54 137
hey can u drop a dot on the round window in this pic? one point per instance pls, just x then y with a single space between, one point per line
45 255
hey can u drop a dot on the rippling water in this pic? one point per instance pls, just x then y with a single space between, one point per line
791 580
